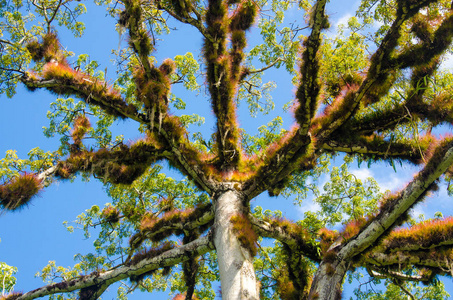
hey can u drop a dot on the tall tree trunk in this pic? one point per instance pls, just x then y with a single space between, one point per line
328 281
237 275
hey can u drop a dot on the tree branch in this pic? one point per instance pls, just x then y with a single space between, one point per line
308 91
63 80
384 274
437 259
376 147
395 207
288 233
423 236
291 152
266 67
47 173
222 87
180 221
171 257
379 79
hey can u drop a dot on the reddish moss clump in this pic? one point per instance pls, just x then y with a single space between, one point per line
121 165
170 223
244 17
244 232
19 191
353 227
183 297
327 237
167 67
11 296
111 214
422 235
151 252
81 126
285 287
48 49
153 86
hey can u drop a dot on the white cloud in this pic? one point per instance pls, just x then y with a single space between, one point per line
387 179
343 20
392 182
308 205
362 174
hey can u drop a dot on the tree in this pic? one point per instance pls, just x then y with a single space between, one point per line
378 107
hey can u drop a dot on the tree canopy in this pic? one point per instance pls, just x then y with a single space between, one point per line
367 92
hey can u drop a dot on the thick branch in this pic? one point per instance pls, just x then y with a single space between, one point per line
426 51
120 165
379 79
184 156
288 233
63 80
383 274
435 259
308 91
406 112
221 86
293 151
169 258
390 212
376 147
139 39
174 222
426 235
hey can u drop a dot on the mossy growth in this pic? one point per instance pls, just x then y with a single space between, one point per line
181 7
353 227
238 43
153 86
167 67
307 93
88 292
71 82
244 17
285 287
18 192
110 214
425 52
156 229
121 165
151 252
423 235
47 50
327 238
421 28
11 296
81 127
245 233
298 271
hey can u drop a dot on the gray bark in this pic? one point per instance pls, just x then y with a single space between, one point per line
237 275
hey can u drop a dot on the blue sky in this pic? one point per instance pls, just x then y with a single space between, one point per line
32 237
